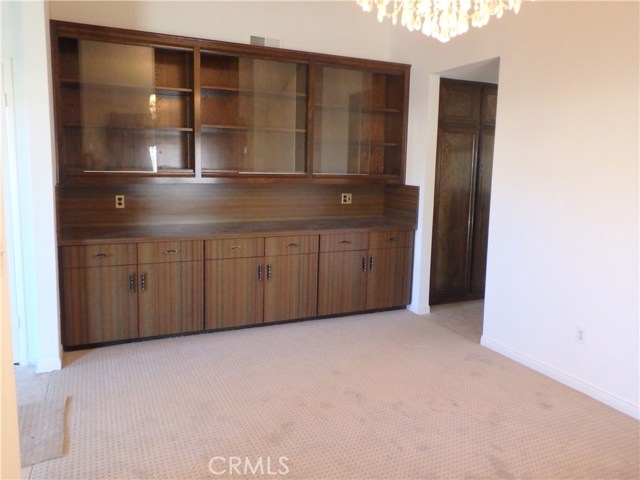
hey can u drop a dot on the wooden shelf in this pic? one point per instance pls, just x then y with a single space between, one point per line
122 127
158 89
240 128
161 171
245 91
345 108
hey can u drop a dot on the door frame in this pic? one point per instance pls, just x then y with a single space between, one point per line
12 215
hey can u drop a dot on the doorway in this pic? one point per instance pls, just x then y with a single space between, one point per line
466 132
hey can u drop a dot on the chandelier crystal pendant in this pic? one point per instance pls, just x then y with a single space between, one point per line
441 19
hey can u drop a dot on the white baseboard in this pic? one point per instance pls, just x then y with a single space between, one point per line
45 365
419 309
577 384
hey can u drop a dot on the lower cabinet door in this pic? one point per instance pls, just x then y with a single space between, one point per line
342 282
233 292
170 298
389 278
100 305
290 287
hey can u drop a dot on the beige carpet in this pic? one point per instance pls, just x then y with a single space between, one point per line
389 395
41 430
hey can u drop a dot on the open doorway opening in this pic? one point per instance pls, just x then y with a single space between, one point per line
466 131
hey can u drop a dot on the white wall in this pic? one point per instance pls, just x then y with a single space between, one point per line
25 41
563 235
9 431
337 28
563 240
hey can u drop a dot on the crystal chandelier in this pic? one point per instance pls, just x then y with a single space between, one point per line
441 19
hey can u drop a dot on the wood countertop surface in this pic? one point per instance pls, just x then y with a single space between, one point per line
150 233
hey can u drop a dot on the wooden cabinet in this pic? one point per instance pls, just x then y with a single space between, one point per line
124 291
233 282
462 192
256 280
116 292
291 286
364 271
253 114
359 117
99 298
390 269
170 287
123 108
140 105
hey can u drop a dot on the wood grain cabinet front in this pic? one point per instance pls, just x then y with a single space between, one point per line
366 271
99 299
234 272
291 281
255 280
170 291
125 291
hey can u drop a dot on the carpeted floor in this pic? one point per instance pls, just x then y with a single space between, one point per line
389 395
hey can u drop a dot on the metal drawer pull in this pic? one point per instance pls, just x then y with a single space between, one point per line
171 251
132 283
143 282
345 242
235 247
268 272
371 263
259 273
101 255
292 245
364 264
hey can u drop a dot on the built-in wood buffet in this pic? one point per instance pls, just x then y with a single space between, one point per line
200 184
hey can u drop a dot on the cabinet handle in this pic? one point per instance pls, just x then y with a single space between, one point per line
171 251
268 272
143 282
364 264
101 255
345 242
259 273
292 245
393 239
371 264
132 283
235 247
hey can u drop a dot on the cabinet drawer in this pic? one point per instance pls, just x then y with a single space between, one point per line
343 242
164 252
99 255
234 248
291 245
400 239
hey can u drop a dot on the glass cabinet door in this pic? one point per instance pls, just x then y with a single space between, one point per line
125 108
253 114
358 119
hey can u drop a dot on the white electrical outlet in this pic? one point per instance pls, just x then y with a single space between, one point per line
346 198
581 335
119 201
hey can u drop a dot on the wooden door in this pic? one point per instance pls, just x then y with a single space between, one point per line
291 287
389 278
342 281
234 292
481 216
170 298
462 191
452 214
100 305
